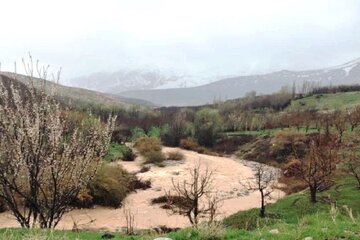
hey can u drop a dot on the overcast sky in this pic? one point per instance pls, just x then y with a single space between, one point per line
204 38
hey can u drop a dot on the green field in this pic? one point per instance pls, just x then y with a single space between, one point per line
327 101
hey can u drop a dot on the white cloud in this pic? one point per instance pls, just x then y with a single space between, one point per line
188 35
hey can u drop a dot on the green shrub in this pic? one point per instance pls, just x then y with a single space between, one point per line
175 155
128 155
154 132
119 151
137 133
110 185
171 135
114 152
248 220
154 157
211 231
147 144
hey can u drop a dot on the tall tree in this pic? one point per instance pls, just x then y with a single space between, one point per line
44 163
195 194
263 182
318 165
207 126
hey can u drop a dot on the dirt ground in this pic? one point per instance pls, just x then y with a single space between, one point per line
228 173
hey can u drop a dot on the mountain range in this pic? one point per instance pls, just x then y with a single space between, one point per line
235 87
151 85
128 80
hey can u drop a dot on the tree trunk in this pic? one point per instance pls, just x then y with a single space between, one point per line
196 210
313 194
262 209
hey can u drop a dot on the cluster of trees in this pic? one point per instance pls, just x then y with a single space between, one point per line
306 120
205 125
336 89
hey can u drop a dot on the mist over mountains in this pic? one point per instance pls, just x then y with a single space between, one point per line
137 79
174 90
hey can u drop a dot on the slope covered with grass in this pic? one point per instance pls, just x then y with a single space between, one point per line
331 101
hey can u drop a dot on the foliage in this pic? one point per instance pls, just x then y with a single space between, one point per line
154 132
115 152
207 126
45 159
137 133
154 157
119 151
147 144
110 185
180 127
211 231
128 154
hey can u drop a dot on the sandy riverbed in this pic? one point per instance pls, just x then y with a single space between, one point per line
228 172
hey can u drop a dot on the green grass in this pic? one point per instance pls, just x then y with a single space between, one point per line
327 101
296 218
319 226
19 234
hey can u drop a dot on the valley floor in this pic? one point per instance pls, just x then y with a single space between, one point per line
228 173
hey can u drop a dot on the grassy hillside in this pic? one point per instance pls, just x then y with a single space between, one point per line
332 101
80 96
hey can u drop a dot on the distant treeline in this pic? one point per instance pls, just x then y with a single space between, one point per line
336 89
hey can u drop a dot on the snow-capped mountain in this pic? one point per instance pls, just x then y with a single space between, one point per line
125 80
235 87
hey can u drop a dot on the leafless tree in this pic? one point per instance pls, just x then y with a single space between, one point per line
196 195
340 123
318 165
326 120
263 181
43 164
353 116
352 165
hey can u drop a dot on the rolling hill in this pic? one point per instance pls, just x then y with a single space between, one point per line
73 95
